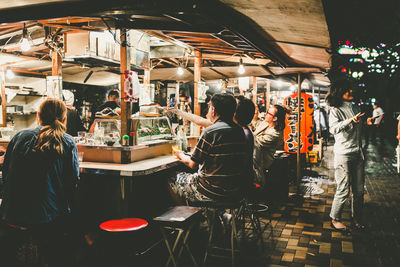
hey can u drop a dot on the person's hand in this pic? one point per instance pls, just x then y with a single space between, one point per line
177 153
369 121
356 118
398 137
170 110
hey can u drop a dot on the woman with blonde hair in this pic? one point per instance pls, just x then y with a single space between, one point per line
41 171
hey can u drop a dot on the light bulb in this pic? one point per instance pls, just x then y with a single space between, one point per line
10 74
180 70
355 74
25 45
241 69
365 54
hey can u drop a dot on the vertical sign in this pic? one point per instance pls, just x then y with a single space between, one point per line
307 127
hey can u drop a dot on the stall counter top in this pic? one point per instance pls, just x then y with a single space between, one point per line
142 167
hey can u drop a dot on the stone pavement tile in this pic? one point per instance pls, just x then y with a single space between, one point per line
297 248
294 226
336 250
297 230
321 208
305 224
276 215
311 233
286 232
308 265
275 265
280 244
288 257
327 225
294 213
347 247
293 242
335 263
325 248
300 254
304 239
283 239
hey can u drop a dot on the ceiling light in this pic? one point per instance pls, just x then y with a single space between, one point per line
180 70
25 45
9 73
355 74
241 69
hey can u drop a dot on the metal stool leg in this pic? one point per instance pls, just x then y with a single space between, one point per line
171 251
212 224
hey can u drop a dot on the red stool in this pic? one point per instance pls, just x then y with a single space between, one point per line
122 239
124 225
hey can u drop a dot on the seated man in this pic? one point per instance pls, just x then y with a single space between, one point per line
221 155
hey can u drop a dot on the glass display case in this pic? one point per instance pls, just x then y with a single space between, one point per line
151 129
105 132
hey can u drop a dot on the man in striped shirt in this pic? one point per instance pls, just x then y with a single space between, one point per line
221 154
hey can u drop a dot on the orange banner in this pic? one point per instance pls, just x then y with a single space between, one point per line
307 127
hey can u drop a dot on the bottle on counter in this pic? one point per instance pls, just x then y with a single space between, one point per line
125 140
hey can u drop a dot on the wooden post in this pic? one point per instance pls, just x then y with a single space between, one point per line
267 93
224 85
124 66
298 130
3 123
255 90
56 69
197 78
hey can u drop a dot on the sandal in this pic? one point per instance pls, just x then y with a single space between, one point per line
343 230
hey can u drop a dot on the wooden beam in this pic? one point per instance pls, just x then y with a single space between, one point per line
197 78
167 38
218 72
124 67
268 70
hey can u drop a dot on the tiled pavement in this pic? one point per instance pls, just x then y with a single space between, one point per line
302 235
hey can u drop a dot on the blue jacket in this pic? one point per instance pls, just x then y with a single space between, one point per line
38 186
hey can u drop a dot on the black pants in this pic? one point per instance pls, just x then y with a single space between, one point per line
36 245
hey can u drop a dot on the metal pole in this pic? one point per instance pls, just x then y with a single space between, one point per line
298 129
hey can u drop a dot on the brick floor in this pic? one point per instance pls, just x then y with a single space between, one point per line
302 231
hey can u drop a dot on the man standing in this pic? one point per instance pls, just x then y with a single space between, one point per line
220 154
377 118
110 107
74 122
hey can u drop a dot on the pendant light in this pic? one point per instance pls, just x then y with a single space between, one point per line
241 69
25 45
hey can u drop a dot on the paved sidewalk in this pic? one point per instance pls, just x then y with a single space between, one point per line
302 232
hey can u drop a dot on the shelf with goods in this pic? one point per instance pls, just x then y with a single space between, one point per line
24 96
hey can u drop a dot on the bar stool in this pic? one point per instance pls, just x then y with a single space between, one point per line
235 208
181 219
118 236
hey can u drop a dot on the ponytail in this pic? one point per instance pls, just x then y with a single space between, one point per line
52 115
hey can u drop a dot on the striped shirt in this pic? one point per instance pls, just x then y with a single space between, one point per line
222 155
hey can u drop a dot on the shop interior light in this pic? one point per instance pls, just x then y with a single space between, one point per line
9 73
180 70
25 45
355 74
241 69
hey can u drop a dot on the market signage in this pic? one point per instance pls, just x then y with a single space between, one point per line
307 127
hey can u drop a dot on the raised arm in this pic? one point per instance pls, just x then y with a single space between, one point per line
191 117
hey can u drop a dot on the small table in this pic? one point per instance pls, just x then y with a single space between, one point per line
181 218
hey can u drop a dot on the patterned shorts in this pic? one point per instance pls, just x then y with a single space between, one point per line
185 185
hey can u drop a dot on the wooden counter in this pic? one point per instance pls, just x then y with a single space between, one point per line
138 168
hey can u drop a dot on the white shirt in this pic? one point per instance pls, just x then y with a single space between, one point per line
378 114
